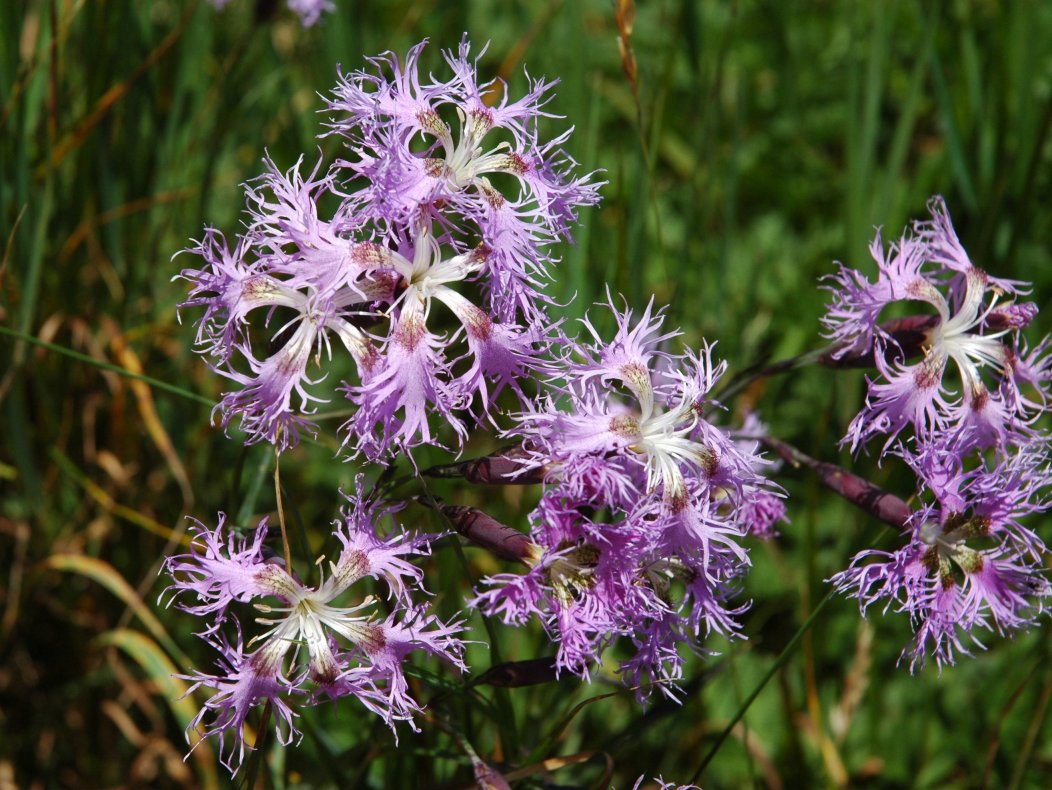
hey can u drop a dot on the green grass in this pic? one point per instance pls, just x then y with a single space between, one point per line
769 140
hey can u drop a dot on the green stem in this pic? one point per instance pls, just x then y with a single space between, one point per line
782 658
156 383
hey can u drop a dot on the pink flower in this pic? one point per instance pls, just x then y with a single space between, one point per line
314 641
973 329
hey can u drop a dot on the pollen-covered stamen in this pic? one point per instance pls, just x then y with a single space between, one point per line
637 378
572 573
968 560
431 123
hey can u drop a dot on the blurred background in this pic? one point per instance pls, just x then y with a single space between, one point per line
747 146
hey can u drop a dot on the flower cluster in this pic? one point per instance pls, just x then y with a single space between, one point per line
638 532
315 643
979 458
425 224
422 252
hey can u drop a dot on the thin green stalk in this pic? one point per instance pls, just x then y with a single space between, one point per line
255 486
1033 731
742 380
778 663
156 383
501 696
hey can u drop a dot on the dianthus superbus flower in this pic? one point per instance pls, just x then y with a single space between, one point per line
315 643
308 285
639 530
969 563
419 141
414 377
976 328
416 263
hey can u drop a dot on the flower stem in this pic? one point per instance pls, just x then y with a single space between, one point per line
281 510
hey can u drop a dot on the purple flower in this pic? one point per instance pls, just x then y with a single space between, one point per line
243 684
314 642
631 423
969 563
427 238
414 376
325 283
974 330
584 587
297 271
310 11
638 531
637 411
469 137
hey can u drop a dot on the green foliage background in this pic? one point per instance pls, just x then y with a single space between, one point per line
769 139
